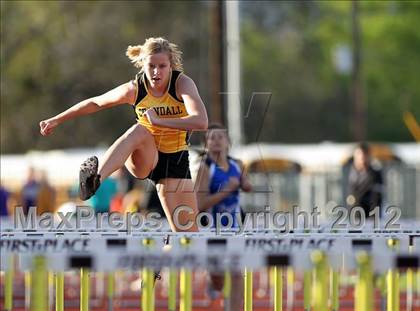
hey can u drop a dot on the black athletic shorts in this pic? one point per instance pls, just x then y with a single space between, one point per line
171 165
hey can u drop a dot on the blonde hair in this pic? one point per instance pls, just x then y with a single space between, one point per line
138 53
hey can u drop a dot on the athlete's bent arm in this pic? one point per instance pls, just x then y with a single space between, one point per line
245 183
123 94
197 115
204 198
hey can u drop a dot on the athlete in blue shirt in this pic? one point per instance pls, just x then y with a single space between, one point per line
220 177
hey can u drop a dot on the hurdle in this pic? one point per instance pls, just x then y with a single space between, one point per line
318 256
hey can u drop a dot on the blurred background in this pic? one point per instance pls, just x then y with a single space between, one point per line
298 83
309 80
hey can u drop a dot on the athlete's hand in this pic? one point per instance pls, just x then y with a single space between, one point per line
233 184
152 116
47 126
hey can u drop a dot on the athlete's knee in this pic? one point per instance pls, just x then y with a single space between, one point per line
138 173
135 170
137 134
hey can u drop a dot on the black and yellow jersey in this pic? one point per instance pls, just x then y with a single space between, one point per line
167 106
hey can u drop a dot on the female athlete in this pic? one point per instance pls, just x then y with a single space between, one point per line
167 106
219 179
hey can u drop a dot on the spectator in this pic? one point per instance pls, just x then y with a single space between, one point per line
30 191
365 182
4 200
46 199
101 201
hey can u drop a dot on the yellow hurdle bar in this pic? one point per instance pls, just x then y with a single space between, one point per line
307 288
8 284
51 280
248 290
172 290
27 289
418 282
227 290
380 283
393 290
110 289
185 288
290 275
277 275
335 287
410 284
39 280
364 286
84 289
148 282
393 282
185 280
59 291
410 288
148 293
320 288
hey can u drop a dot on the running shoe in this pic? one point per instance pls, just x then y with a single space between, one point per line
138 285
157 277
89 180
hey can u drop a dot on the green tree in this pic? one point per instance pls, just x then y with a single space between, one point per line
56 53
288 50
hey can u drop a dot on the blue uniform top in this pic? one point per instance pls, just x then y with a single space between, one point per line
218 178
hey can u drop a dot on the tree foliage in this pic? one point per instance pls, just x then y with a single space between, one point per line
288 49
56 53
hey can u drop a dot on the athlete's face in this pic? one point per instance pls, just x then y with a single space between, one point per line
157 68
217 140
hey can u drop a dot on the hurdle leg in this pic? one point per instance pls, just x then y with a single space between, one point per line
410 284
410 287
364 286
147 297
320 284
393 290
172 290
227 289
51 279
417 281
248 290
290 275
110 289
380 283
39 290
8 284
277 277
393 281
28 278
59 291
307 288
84 289
335 286
185 288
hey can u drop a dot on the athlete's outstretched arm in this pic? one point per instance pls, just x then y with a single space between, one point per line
197 114
123 94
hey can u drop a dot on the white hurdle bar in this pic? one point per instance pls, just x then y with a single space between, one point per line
381 252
